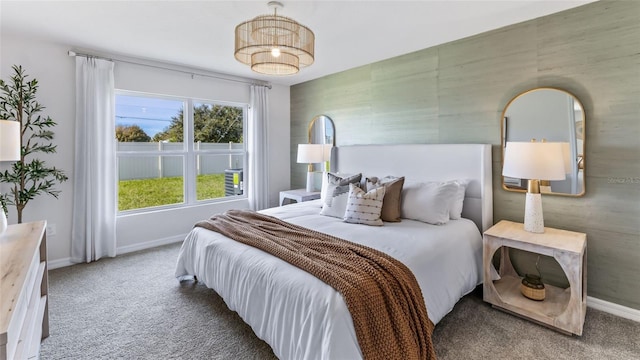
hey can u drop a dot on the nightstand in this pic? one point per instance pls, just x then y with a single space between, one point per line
298 195
562 309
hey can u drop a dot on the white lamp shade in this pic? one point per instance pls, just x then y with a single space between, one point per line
310 153
9 140
534 160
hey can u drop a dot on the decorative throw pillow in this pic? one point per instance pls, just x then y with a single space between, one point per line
392 197
330 181
455 212
364 208
335 202
428 202
338 200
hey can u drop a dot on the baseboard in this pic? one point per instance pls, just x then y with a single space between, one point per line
60 263
150 244
614 309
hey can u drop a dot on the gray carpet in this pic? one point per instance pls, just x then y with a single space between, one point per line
132 307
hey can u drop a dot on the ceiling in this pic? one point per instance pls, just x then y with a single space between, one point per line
200 34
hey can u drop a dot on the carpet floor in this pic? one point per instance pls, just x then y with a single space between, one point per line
131 307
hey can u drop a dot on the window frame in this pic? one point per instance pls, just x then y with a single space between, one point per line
188 153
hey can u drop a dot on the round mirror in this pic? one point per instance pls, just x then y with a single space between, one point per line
552 115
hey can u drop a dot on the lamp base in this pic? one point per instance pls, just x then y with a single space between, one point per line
533 220
310 186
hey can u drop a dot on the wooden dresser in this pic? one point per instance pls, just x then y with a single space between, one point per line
24 285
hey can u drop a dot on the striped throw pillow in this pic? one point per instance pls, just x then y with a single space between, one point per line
364 207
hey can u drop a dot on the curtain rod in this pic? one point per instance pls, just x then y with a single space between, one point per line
192 73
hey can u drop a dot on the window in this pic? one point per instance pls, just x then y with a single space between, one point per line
158 167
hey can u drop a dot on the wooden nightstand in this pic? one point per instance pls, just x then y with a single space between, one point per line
298 195
562 309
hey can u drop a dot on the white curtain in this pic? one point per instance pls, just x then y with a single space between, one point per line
94 204
258 148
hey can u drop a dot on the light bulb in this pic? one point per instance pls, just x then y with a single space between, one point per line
275 52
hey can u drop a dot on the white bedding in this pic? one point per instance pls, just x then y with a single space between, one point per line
303 318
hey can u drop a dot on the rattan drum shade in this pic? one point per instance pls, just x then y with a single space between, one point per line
274 45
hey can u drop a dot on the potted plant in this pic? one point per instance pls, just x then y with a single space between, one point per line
29 176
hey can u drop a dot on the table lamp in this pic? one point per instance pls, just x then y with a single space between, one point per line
9 151
533 161
310 154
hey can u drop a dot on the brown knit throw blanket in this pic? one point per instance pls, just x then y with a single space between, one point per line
383 296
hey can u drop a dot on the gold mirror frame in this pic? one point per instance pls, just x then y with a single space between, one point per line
327 127
536 123
322 130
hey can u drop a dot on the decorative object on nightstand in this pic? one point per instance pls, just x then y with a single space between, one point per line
9 151
532 286
310 154
562 309
534 161
298 195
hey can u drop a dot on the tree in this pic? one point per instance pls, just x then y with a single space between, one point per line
29 177
211 124
131 133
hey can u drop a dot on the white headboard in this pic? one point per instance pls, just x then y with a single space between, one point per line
428 162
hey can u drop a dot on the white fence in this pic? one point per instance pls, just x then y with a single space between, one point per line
146 166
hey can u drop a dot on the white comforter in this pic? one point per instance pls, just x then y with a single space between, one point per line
303 318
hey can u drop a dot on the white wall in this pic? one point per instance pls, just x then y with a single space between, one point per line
55 70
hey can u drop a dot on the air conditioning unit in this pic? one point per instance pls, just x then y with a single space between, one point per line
233 184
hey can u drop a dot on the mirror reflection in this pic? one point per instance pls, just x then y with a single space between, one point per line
552 115
322 131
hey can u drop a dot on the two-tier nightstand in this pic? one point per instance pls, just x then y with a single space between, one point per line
562 309
298 195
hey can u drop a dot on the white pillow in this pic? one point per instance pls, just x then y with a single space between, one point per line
364 208
336 179
335 203
428 202
457 202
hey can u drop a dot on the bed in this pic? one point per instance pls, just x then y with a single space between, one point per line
301 317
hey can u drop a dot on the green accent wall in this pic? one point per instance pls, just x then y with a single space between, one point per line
455 93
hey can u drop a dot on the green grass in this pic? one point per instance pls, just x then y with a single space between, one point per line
137 194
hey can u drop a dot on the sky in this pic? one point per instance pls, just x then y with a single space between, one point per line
153 115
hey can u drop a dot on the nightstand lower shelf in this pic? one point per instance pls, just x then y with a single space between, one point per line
554 304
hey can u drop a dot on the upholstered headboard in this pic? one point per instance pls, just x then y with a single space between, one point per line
428 162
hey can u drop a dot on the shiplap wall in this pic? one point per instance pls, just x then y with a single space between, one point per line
455 93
